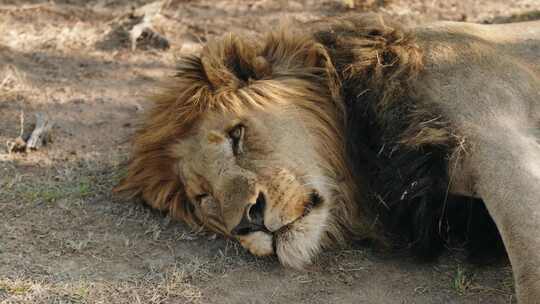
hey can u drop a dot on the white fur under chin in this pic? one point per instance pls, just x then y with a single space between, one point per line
258 243
298 245
301 243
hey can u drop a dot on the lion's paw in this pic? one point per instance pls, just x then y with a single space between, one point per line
258 243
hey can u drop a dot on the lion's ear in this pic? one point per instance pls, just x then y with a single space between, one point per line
233 61
286 49
294 53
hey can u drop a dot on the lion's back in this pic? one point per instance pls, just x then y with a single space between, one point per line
474 73
520 40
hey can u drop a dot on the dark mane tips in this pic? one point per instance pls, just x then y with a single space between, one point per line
372 53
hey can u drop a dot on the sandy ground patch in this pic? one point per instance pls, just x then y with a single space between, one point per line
64 238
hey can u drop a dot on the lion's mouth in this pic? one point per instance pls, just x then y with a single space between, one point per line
296 242
314 201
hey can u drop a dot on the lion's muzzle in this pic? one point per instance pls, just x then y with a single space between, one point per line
291 240
253 218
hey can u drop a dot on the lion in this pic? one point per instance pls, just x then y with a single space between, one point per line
352 128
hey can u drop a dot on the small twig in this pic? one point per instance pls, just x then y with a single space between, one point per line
21 126
5 80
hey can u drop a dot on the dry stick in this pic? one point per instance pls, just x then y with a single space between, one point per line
21 121
41 133
154 39
18 144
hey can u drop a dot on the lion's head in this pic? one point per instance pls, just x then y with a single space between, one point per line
248 140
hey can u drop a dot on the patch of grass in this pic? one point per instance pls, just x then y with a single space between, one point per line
83 189
171 287
461 281
82 291
14 287
29 291
44 193
77 246
49 192
75 184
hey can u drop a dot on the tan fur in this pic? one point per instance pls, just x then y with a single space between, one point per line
181 149
486 81
287 91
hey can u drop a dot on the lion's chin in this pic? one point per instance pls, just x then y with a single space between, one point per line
296 245
300 243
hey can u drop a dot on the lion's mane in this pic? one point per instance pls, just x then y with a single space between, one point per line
395 147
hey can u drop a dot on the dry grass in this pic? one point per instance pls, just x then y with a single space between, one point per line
462 280
60 184
172 286
12 82
63 238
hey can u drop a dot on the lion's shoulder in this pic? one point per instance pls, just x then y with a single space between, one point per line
477 69
409 94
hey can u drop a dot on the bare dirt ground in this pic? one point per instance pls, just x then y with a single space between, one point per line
64 238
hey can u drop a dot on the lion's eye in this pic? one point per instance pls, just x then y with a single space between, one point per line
201 197
236 134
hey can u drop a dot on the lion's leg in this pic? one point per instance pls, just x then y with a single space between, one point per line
507 168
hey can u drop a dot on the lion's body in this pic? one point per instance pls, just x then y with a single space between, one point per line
473 73
295 143
486 82
458 57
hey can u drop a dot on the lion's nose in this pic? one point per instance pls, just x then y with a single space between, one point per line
253 219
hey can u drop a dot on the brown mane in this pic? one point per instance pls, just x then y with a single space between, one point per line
359 56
